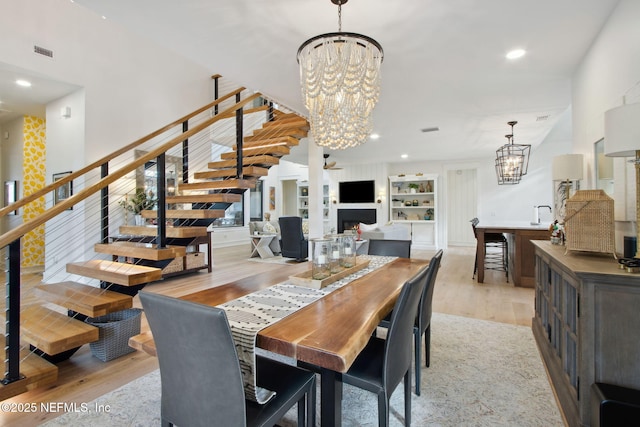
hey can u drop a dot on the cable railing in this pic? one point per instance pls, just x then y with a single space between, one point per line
94 211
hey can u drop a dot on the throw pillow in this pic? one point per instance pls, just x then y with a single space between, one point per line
305 227
269 228
368 227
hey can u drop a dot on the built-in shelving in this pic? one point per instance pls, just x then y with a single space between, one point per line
413 202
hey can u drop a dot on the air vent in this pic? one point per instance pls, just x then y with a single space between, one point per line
431 129
542 118
42 51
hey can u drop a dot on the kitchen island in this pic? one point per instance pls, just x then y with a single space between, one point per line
519 235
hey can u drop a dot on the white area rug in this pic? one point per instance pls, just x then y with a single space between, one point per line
482 374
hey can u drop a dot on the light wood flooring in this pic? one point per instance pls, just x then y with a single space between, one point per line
83 377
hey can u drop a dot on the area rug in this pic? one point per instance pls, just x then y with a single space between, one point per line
482 373
277 259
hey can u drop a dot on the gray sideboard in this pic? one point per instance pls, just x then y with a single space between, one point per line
586 325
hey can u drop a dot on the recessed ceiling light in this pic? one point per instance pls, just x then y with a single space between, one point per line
516 53
23 83
374 136
404 156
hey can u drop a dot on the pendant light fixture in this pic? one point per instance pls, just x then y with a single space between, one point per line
512 160
340 79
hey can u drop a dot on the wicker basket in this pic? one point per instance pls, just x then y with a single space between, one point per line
589 222
115 330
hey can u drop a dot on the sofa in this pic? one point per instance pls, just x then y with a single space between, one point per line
385 231
258 227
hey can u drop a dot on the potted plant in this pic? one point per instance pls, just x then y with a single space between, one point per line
413 187
141 200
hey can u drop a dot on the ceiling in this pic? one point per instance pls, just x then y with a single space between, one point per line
444 63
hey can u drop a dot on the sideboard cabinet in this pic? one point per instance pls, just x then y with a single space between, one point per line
586 325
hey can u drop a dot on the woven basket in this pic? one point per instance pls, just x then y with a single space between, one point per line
589 222
115 330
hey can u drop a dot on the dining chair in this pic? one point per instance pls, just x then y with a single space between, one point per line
293 244
383 363
493 259
389 247
422 324
200 373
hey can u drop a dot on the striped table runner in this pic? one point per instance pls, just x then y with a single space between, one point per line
249 314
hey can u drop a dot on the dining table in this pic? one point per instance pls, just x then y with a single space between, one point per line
328 333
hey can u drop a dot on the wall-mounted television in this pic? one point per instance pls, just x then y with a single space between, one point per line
357 191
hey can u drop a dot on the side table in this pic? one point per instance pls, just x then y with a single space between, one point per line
260 245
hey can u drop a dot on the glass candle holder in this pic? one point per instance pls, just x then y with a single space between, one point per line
335 255
320 251
348 250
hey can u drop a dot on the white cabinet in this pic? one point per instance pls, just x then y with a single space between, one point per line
303 201
414 201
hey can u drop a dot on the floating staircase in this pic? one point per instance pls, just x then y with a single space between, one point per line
136 259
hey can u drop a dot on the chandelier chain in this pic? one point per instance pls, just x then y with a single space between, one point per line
339 16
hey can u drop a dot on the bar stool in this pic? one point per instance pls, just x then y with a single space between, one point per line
496 251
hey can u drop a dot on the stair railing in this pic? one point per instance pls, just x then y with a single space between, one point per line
12 238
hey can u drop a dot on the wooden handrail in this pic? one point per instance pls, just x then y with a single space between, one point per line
28 226
51 187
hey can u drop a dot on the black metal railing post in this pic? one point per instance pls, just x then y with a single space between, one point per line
270 116
162 201
185 153
239 138
104 205
215 94
12 315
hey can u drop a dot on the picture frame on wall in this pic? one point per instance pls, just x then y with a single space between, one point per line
11 194
64 191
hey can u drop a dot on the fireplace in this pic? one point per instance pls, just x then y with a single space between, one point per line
348 218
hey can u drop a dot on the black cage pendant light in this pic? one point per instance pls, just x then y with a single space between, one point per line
512 160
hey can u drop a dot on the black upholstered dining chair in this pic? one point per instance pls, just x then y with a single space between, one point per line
383 363
422 325
200 374
399 248
292 241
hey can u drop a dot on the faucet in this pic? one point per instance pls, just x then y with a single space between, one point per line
536 213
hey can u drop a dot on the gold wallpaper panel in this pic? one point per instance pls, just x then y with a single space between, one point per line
33 179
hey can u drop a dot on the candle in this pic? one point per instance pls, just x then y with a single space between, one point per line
347 251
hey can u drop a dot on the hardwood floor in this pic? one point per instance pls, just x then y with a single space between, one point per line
83 377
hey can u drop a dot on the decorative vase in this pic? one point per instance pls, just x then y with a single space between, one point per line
138 219
320 253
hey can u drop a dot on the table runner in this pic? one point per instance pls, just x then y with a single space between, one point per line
251 313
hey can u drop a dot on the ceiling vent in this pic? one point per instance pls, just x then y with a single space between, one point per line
542 118
431 129
42 51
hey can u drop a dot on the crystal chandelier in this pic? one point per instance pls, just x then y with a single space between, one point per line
340 78
512 160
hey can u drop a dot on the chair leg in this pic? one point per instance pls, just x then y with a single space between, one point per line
311 406
383 409
427 346
418 353
407 398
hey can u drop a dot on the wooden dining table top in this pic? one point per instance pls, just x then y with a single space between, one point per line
330 332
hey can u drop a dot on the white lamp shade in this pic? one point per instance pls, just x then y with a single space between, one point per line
567 167
622 131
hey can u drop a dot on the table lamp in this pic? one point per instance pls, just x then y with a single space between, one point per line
566 168
622 139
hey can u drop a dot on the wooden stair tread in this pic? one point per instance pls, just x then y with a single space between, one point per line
272 133
253 160
148 251
290 122
287 141
205 198
85 299
115 272
273 150
144 342
187 214
224 184
53 332
37 371
254 171
172 232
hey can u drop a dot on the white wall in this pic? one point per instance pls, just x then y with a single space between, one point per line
609 76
